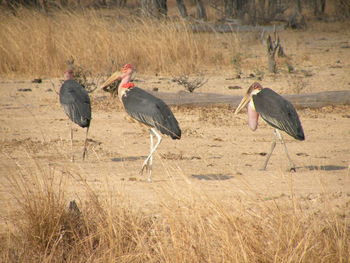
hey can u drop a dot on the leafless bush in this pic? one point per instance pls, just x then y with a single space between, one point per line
297 85
190 85
83 76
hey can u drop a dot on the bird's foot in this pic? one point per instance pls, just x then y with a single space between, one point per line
144 167
148 167
262 168
149 178
141 171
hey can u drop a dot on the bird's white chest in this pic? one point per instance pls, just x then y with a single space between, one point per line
121 93
251 104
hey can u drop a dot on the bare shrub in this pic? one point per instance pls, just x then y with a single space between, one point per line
297 84
83 76
190 85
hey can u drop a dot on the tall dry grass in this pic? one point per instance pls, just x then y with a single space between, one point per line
33 43
189 225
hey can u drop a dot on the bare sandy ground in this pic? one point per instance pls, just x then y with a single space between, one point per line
217 152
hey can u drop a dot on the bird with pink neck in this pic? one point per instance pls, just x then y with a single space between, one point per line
146 109
276 111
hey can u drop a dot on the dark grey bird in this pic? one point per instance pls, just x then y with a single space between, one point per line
75 101
276 111
147 110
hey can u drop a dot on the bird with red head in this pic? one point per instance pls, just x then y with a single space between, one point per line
146 109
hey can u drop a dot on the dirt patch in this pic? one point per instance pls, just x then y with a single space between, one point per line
217 150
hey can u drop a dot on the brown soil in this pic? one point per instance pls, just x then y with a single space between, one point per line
217 151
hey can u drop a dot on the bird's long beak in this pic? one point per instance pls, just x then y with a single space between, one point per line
111 79
243 102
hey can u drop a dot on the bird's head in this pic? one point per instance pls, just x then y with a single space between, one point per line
252 90
127 68
68 74
126 71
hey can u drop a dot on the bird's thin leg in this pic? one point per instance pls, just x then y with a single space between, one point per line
292 166
146 162
273 145
71 143
150 161
85 143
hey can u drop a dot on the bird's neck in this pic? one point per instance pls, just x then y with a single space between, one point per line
68 75
125 79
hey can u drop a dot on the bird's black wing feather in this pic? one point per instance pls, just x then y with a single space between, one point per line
76 102
151 111
278 112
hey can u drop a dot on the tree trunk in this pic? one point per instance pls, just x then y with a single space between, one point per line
272 63
154 8
182 8
271 52
201 12
119 3
102 3
147 8
240 6
161 8
272 8
299 7
228 5
319 7
261 10
64 3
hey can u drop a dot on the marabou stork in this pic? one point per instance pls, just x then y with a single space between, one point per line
75 101
146 109
276 111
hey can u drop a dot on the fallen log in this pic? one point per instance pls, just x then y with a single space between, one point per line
232 28
311 100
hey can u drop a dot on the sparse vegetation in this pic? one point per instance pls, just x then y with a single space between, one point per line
190 84
297 84
190 226
37 44
208 202
237 64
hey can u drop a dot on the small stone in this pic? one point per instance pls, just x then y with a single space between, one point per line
38 80
234 87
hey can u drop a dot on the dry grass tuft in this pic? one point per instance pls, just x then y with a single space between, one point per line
45 229
33 43
189 226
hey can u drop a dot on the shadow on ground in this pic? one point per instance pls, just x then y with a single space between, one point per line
325 167
217 177
128 158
